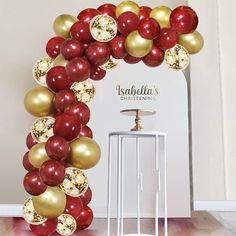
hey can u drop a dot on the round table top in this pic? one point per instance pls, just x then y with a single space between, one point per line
141 112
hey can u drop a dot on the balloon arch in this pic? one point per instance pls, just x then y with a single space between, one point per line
60 143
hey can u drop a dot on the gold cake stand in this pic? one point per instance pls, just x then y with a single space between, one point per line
138 113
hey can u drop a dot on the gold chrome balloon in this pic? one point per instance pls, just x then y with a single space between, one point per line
162 15
75 183
39 101
59 61
127 6
85 153
66 225
40 70
62 25
193 42
137 46
51 203
38 155
30 215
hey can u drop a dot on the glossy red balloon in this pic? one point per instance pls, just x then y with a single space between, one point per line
78 69
63 99
30 142
87 14
108 10
127 22
33 183
144 12
155 57
167 38
67 126
132 60
74 206
80 110
72 48
149 28
97 73
45 229
57 148
85 218
86 197
81 32
26 163
98 53
52 173
117 47
57 79
53 46
184 19
86 132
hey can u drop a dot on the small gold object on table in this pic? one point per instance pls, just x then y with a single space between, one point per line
138 113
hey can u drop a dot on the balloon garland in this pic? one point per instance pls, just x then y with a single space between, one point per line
60 143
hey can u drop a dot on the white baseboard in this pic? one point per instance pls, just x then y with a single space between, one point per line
10 210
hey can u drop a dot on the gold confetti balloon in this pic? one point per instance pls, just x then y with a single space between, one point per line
30 215
162 15
42 129
103 28
38 155
84 91
177 58
75 183
38 101
66 225
112 63
60 61
127 6
51 203
40 70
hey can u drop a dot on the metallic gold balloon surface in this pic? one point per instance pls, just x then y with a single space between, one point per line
162 15
62 25
59 61
127 6
137 46
51 203
193 42
39 101
66 225
85 153
38 155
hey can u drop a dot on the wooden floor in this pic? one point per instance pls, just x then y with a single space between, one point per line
201 224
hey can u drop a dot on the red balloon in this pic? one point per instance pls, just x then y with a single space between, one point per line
86 132
86 197
85 218
127 22
97 73
98 53
149 28
117 47
72 48
52 173
81 32
144 12
78 69
53 46
108 10
87 14
155 57
63 99
33 183
30 142
132 60
45 229
57 79
74 206
167 38
26 163
57 148
184 19
67 126
80 110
